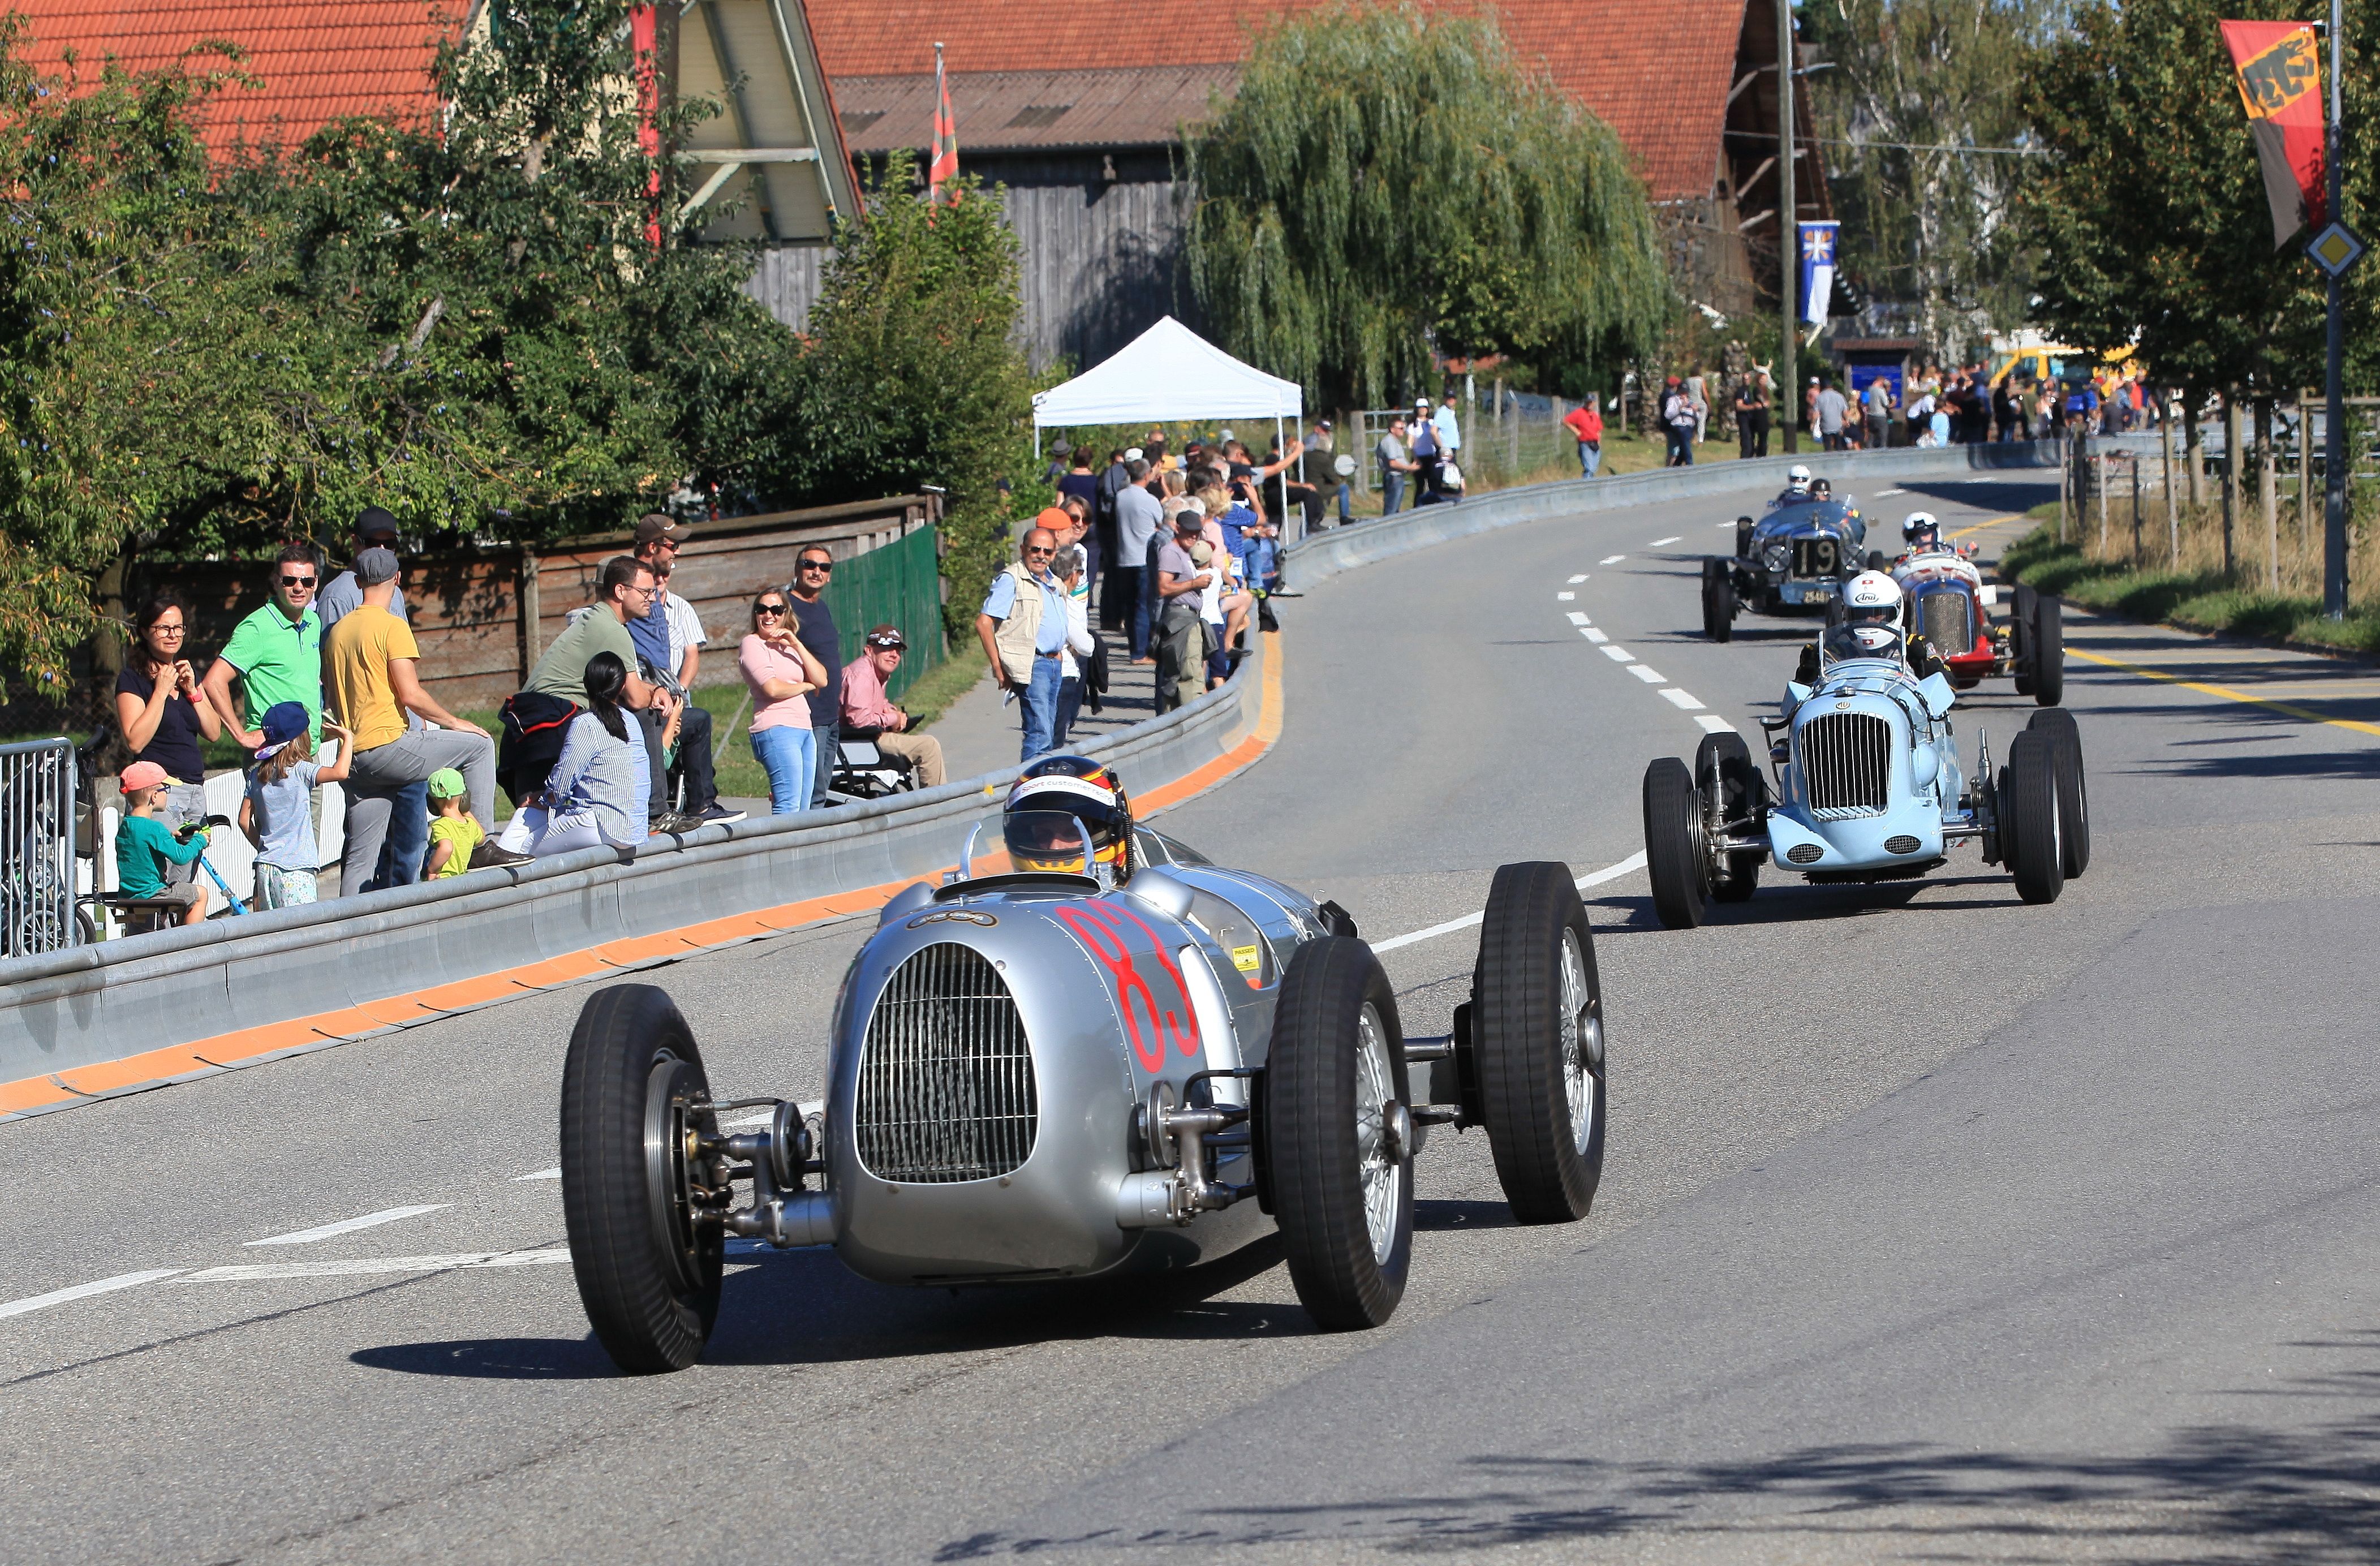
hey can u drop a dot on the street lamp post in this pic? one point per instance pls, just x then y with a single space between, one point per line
1788 231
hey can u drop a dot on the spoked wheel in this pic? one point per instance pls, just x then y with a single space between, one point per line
2030 841
2073 795
633 1089
1673 844
1338 1136
1719 601
1537 1039
2048 645
1724 772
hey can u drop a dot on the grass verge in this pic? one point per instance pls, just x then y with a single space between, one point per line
2196 600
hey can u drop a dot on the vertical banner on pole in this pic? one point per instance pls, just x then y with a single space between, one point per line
942 169
644 42
1817 273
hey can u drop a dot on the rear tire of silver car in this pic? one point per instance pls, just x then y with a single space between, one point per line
1719 601
2028 803
2073 793
2047 643
1537 1038
1723 771
648 1272
1673 844
1334 1088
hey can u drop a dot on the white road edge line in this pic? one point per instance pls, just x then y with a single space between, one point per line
1577 579
1663 543
84 1291
1611 559
1618 653
1578 619
1647 674
349 1225
1591 634
1681 701
1469 921
255 1272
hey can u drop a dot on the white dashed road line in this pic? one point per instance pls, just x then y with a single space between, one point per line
1662 543
85 1291
1565 597
1613 559
1578 619
1593 634
1712 724
1472 921
540 1174
1881 493
1577 579
1647 674
367 1264
1681 701
348 1225
1618 653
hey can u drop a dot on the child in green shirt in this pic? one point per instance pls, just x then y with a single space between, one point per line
454 831
144 846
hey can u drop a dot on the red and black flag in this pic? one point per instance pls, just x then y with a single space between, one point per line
2280 81
943 170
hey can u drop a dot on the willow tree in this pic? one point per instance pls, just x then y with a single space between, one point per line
1392 180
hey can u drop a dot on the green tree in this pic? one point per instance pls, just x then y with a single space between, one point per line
1387 183
2147 220
912 375
1916 86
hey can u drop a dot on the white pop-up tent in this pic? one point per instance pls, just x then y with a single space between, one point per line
1169 373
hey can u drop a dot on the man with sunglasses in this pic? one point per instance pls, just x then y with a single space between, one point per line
1023 628
814 627
276 654
865 705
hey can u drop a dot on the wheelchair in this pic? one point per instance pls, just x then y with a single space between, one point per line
863 772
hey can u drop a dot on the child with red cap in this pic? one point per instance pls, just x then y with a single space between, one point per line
144 846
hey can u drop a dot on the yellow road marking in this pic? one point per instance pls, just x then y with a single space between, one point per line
2290 708
1981 525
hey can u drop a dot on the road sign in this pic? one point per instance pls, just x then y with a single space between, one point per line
2336 248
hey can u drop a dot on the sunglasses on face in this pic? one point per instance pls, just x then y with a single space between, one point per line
818 565
1030 551
297 581
769 608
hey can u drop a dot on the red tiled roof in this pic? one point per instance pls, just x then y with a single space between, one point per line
1658 77
317 61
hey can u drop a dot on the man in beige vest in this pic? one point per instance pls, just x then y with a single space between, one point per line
1023 627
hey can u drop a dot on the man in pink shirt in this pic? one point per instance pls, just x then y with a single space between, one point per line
865 706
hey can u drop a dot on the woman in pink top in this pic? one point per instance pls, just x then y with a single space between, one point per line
782 672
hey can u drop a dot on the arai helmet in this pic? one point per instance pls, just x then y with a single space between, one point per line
1872 598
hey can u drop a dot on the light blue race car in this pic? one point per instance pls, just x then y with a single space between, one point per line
1869 787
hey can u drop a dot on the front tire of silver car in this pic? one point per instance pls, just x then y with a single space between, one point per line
1340 1175
1536 1036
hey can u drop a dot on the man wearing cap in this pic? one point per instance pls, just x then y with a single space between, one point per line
1023 628
368 681
408 814
866 706
661 637
1181 587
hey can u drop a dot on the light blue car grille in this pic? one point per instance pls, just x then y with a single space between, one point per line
1844 761
946 1089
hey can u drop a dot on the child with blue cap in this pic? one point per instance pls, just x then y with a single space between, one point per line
277 814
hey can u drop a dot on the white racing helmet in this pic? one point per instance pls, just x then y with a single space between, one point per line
1872 598
1797 478
1921 530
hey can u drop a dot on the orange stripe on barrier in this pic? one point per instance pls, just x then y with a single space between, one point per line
35 1094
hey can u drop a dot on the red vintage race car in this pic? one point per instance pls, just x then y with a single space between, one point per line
1950 602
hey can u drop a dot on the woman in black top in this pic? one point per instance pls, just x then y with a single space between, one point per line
164 716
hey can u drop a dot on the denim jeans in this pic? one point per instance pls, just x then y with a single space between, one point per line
1346 504
1144 614
1038 704
379 777
789 756
1070 707
825 744
1590 457
408 839
1392 489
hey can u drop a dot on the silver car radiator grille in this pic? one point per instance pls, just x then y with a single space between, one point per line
1949 622
946 1089
1815 557
1843 762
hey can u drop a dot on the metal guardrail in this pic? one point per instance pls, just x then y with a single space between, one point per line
37 861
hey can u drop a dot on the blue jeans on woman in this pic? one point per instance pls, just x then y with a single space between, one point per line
790 754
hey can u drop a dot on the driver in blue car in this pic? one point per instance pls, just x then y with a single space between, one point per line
1797 487
1870 627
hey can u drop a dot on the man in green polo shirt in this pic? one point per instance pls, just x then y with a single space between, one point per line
276 653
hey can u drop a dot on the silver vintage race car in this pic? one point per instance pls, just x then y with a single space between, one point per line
1112 1056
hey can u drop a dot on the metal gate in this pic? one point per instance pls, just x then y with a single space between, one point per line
37 863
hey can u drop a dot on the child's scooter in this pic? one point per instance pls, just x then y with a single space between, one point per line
183 836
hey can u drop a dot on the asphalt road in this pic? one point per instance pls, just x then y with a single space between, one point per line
1934 1226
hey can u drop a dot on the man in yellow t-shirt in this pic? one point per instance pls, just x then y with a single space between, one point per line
370 684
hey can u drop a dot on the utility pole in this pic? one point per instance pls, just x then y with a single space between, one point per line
2334 543
1789 239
